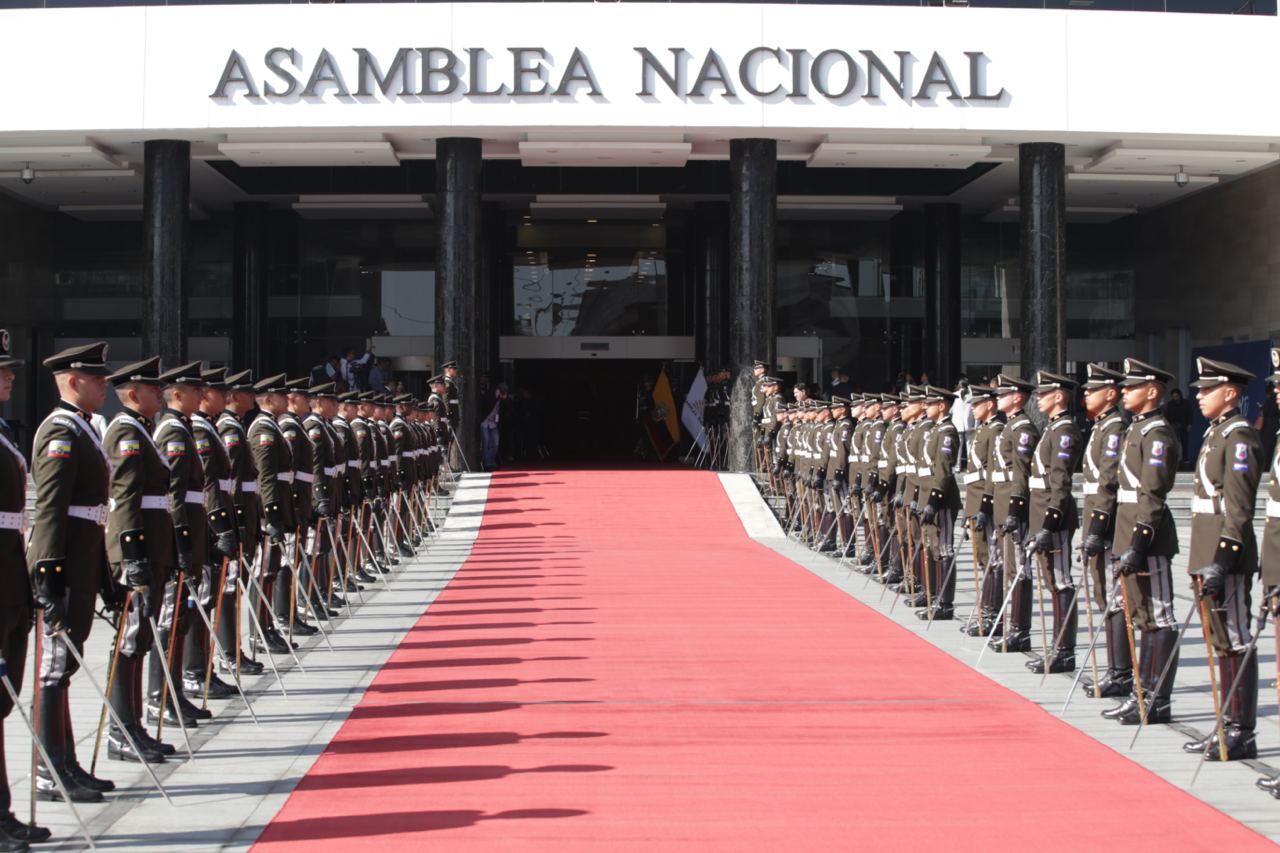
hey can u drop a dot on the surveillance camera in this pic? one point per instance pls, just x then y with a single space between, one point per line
27 174
1181 178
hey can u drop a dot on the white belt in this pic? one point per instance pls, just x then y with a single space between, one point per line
194 498
882 464
911 469
228 485
386 463
972 477
851 459
96 514
353 463
1000 477
251 486
1273 508
407 454
900 469
1204 506
304 477
1036 483
924 472
1127 496
1090 488
155 502
331 470
285 476
15 520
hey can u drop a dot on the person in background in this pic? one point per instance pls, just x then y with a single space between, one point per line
840 386
489 435
354 370
1178 413
962 418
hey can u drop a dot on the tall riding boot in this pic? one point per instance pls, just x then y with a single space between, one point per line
1130 704
992 596
53 733
1063 658
281 595
946 582
1118 679
1019 639
157 686
14 834
70 762
1163 652
1239 711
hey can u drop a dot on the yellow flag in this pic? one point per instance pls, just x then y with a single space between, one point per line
665 404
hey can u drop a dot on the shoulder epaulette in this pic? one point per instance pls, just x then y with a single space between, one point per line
1155 422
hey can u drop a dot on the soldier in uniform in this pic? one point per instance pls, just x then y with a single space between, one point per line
220 510
1101 482
1270 556
1224 550
402 449
836 475
895 437
17 608
940 498
865 448
913 445
294 580
365 431
1011 475
140 545
453 407
885 487
344 425
715 415
768 414
978 501
1148 464
274 462
233 426
1053 509
66 555
174 437
329 469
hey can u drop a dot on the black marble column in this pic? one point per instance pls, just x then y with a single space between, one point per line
166 201
249 287
712 220
942 293
753 207
1043 198
458 275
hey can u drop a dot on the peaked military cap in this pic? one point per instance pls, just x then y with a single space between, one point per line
187 374
146 371
771 380
215 378
88 358
934 394
978 393
1140 373
436 380
301 385
763 365
324 389
890 399
1047 382
844 402
7 360
349 397
403 399
1100 376
1006 384
448 364
242 381
1215 373
913 394
277 384
1275 365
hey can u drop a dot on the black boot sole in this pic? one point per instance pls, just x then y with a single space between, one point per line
81 795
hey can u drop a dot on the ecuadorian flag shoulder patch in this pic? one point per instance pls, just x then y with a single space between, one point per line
129 447
266 439
59 448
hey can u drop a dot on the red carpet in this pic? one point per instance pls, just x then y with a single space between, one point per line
619 666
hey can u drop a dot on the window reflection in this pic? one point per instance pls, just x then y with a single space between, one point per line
589 292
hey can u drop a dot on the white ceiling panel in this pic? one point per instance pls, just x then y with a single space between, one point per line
1121 159
875 155
58 157
352 153
595 153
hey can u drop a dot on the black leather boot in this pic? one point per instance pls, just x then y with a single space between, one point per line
1270 784
1163 651
70 763
1239 715
1063 658
14 834
1118 679
157 687
53 733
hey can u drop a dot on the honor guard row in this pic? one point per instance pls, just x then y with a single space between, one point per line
213 508
872 479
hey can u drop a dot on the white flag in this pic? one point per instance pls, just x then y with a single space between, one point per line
691 414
